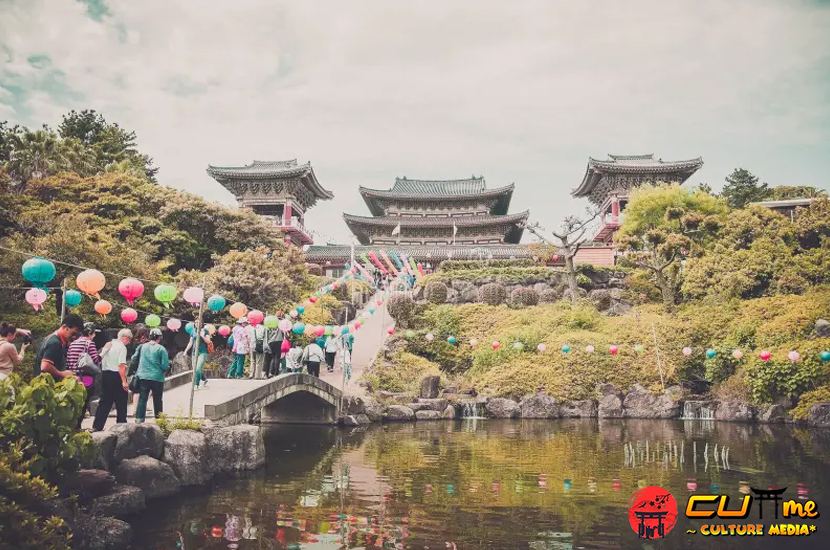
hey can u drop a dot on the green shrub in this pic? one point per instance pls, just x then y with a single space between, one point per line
442 320
461 265
492 294
436 292
524 296
810 398
783 378
505 275
402 374
179 422
549 296
402 309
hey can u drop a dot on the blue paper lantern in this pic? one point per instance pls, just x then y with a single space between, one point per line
72 298
190 328
216 303
38 271
300 310
566 348
451 340
344 330
824 356
710 353
298 328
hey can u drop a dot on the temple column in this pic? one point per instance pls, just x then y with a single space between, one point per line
615 209
286 215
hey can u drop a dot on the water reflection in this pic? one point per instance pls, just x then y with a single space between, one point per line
505 484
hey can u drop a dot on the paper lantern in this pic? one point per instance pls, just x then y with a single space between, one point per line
166 294
765 355
190 328
91 281
129 315
473 342
566 348
313 299
328 330
541 348
613 350
344 330
380 302
357 324
309 330
589 349
737 354
238 310
35 297
495 344
298 328
518 345
390 330
824 356
794 356
300 310
224 330
211 330
271 322
410 334
687 351
216 303
38 271
293 313
362 320
72 298
255 317
152 321
130 289
639 348
451 340
103 307
285 325
319 331
429 337
194 296
711 353
174 325
371 311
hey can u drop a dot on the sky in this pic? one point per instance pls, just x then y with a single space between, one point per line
519 91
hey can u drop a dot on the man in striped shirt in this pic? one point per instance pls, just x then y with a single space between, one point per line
81 346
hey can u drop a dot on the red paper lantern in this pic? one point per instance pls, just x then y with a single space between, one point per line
129 315
613 350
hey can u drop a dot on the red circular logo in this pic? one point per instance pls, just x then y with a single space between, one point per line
652 512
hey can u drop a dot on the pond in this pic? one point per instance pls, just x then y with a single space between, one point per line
495 484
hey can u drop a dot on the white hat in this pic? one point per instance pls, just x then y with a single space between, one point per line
242 319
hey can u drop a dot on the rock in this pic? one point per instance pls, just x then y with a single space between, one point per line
586 408
235 448
399 398
640 403
773 414
429 387
123 501
101 533
373 409
822 328
137 440
452 296
449 413
434 404
539 406
104 447
90 484
353 405
468 295
186 452
541 287
152 476
580 292
610 406
699 410
675 392
819 415
601 298
450 390
468 391
398 413
179 364
498 407
418 406
618 308
734 411
608 389
355 420
428 415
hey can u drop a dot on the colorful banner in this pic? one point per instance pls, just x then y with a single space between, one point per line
397 260
375 259
392 267
420 269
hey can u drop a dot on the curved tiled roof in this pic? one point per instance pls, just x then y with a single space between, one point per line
439 187
633 164
459 221
266 170
340 254
440 192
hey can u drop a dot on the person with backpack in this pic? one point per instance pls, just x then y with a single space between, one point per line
313 355
274 338
205 348
82 358
258 347
153 362
114 378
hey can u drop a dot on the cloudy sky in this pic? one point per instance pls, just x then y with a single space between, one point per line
520 91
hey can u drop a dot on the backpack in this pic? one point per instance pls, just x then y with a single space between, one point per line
259 343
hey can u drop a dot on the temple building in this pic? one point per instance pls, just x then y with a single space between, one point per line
433 213
281 191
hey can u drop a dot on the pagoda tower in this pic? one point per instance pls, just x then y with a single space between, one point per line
608 184
281 191
443 212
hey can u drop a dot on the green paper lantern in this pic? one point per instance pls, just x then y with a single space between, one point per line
152 321
329 330
410 334
271 322
639 349
166 294
518 345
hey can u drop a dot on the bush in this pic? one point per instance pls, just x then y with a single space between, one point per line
168 426
461 265
403 374
402 309
436 292
783 378
818 395
492 294
549 296
524 296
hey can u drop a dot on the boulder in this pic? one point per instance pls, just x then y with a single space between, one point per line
137 440
429 387
608 389
179 364
773 414
235 448
449 413
428 415
618 308
610 406
355 420
101 533
434 404
186 452
90 484
499 407
452 296
155 478
819 415
373 409
734 411
468 391
398 413
699 410
541 287
468 294
353 405
640 403
451 390
822 328
419 406
122 501
580 293
103 449
399 398
539 406
586 408
601 298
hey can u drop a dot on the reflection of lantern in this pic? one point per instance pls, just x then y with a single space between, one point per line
152 321
129 315
38 271
91 281
130 289
72 298
194 296
174 324
224 330
103 307
35 297
255 317
216 303
238 310
165 294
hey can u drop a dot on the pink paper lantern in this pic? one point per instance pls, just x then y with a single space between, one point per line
430 337
293 313
285 325
319 331
131 289
380 302
255 317
473 342
36 297
225 330
687 351
390 330
541 348
129 315
313 299
174 325
357 324
737 354
613 350
496 344
589 349
194 296
765 355
793 356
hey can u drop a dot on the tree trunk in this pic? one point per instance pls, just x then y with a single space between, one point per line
573 282
666 287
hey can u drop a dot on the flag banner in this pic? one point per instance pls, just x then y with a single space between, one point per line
388 262
397 230
454 229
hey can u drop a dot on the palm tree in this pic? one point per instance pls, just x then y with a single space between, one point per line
78 158
34 154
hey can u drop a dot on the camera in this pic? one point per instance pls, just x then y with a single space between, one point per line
26 338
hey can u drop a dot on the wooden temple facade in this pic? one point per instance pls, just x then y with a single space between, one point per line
280 191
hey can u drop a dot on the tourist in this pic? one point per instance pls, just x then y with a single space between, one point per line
294 358
313 356
142 336
257 336
113 380
51 358
79 354
153 362
275 337
9 356
347 342
331 348
204 348
240 348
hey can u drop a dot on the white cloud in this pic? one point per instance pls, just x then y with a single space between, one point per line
519 91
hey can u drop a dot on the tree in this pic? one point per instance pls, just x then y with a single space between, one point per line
570 238
706 188
785 192
742 188
664 224
33 154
